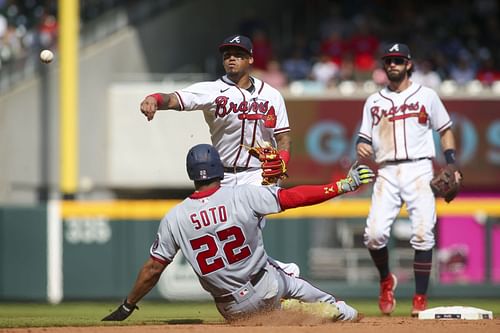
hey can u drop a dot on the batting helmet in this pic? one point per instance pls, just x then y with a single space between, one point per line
203 163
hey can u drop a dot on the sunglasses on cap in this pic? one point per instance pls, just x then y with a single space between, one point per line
395 60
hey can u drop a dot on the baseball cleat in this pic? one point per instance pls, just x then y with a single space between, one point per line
317 309
386 300
347 312
419 304
336 311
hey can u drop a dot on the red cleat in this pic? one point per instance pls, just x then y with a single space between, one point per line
419 304
386 300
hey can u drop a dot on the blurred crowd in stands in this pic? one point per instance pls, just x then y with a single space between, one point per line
328 42
450 40
27 26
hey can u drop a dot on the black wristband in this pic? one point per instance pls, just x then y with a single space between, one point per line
129 307
363 140
449 156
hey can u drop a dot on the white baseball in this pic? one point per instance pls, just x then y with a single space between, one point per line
46 56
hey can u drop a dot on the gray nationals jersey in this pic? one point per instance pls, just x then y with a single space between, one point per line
219 233
237 118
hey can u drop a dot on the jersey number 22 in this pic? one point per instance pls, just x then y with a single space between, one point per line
234 251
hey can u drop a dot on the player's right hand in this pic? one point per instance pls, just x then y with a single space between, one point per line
364 150
149 107
122 313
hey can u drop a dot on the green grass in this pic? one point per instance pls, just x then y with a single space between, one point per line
90 313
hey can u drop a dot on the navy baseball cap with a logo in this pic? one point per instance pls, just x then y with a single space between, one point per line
238 41
397 50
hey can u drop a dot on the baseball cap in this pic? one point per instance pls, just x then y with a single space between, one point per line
397 50
239 41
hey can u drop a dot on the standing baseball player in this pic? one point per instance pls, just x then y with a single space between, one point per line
397 129
240 110
218 230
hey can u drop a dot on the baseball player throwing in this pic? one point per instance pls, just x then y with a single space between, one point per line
241 112
218 230
397 129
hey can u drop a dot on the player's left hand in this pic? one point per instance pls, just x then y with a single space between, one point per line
273 166
447 182
122 313
357 176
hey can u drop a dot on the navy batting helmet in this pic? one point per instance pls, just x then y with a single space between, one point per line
203 163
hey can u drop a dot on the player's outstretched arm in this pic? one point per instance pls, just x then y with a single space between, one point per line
146 280
306 195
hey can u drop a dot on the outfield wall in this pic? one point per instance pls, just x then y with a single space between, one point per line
94 250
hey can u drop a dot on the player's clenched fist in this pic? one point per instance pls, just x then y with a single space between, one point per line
149 106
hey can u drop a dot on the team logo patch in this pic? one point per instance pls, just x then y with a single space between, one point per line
243 292
394 48
235 40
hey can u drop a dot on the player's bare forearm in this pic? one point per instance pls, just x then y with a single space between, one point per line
283 141
284 144
146 280
447 139
448 147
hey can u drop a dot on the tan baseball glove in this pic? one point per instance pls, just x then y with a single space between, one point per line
273 166
445 185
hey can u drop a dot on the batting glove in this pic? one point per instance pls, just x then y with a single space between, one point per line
122 313
357 176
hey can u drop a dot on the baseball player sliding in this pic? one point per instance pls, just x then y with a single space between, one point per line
397 129
218 230
241 112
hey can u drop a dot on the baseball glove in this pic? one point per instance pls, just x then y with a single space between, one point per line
273 166
444 183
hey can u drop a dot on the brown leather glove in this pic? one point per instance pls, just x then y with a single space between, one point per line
273 166
445 185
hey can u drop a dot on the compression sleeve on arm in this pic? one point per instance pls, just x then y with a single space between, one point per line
306 195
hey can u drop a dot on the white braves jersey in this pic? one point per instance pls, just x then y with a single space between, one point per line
399 125
236 117
219 234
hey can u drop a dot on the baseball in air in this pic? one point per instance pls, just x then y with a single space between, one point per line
46 56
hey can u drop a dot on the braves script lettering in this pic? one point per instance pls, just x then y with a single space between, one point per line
225 107
395 112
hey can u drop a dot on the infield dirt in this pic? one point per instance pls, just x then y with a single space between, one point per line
278 323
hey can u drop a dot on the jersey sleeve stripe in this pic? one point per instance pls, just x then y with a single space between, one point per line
445 126
366 136
282 130
160 259
181 102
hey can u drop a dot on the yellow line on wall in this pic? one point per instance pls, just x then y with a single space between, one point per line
349 208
